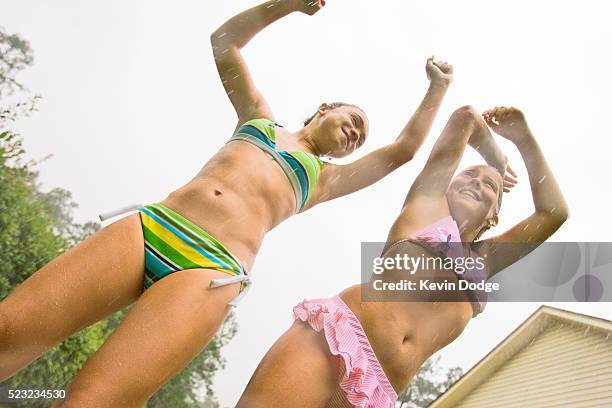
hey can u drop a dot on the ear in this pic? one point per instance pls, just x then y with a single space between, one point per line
324 107
494 220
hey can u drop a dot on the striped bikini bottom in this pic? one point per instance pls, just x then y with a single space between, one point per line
173 243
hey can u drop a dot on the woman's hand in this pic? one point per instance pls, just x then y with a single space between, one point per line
439 72
309 7
510 179
509 123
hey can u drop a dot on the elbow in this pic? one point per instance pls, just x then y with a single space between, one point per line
223 49
396 161
219 40
214 42
557 216
216 38
465 117
562 214
402 152
406 155
466 113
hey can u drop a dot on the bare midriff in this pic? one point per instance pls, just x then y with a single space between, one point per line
405 334
239 195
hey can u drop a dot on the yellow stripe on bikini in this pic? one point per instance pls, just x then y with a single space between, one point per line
176 243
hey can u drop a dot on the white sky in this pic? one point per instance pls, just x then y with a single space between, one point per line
133 108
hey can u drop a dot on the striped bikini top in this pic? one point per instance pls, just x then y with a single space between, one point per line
302 168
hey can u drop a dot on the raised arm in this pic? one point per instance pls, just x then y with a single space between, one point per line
465 127
339 180
550 208
426 200
235 33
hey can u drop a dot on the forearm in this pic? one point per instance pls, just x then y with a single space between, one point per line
490 150
379 163
240 29
547 196
416 130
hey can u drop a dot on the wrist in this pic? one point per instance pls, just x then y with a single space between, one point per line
440 84
493 155
500 163
527 142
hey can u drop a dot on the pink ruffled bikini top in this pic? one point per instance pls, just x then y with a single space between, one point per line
439 237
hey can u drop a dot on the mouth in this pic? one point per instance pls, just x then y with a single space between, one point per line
470 193
347 139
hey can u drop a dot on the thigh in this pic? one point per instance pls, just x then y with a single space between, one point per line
169 325
298 371
88 282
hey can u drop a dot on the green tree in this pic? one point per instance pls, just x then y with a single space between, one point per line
428 384
37 226
15 55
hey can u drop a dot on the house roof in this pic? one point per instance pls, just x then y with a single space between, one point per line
525 334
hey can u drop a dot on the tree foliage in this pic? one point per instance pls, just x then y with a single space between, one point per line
15 55
37 226
428 384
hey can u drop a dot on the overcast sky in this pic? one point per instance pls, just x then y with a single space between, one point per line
133 108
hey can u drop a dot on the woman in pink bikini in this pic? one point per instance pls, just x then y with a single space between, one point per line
347 352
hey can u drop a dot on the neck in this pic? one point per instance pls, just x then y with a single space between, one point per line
468 230
305 139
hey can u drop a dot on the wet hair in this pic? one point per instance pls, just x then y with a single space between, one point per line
332 105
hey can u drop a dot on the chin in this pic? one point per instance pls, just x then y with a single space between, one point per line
461 204
339 153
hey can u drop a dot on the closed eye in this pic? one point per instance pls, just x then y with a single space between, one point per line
359 124
491 185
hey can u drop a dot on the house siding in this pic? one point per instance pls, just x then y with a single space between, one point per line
564 366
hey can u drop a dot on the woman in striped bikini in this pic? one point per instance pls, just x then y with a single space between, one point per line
202 239
361 348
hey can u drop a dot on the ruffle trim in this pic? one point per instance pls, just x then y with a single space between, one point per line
364 381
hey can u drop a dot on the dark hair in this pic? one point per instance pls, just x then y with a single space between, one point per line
332 105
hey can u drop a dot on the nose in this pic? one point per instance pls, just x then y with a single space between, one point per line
476 182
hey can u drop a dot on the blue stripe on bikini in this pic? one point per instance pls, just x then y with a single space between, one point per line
255 132
300 172
261 133
155 266
164 214
198 240
185 238
162 259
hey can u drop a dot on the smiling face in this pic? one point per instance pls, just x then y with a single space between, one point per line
473 196
340 130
